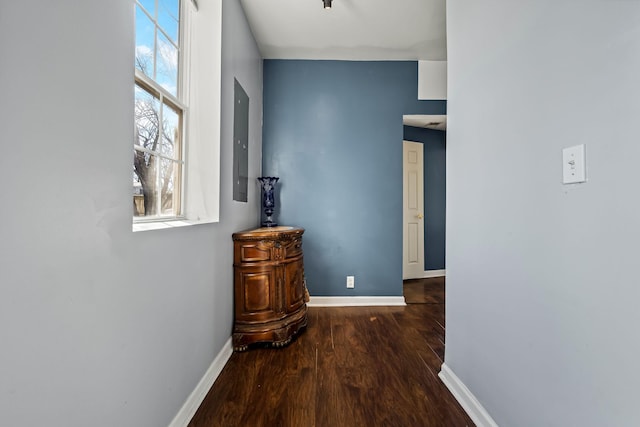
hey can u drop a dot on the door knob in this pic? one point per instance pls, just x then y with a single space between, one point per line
419 216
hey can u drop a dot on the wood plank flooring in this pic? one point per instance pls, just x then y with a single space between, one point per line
353 366
424 291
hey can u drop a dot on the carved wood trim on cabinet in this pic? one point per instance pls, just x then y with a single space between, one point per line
269 287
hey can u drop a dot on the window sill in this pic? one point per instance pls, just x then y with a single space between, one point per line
162 225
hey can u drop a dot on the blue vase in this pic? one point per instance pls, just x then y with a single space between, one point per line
268 184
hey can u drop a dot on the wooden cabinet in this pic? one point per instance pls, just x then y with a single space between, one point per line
269 286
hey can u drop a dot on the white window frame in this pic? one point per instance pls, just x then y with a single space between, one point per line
178 102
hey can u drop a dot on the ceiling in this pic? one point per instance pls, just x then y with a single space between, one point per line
430 121
375 30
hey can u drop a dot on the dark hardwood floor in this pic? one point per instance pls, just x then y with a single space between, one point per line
425 291
355 366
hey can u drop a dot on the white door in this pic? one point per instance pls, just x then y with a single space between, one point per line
413 211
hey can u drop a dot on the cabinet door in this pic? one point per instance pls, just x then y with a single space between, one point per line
294 285
256 294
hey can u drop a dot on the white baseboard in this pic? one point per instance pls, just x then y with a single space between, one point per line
434 273
465 398
355 301
191 405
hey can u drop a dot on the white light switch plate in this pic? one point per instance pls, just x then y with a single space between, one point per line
573 164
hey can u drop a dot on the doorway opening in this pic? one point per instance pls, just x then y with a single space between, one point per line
424 205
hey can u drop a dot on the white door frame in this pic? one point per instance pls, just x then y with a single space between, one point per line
412 210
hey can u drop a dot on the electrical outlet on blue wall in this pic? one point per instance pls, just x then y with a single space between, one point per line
351 282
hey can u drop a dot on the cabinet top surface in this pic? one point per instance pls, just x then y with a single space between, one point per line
268 232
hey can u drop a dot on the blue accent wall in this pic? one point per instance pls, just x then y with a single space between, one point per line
435 181
333 134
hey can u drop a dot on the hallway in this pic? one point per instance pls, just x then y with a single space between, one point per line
354 366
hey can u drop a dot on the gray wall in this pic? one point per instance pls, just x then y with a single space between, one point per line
542 278
100 326
333 134
435 182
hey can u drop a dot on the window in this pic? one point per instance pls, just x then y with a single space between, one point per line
158 148
178 83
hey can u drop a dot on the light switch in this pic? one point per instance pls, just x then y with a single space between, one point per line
573 164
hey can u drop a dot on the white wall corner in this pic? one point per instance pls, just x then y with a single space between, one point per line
357 301
432 80
193 402
465 398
